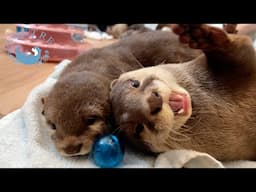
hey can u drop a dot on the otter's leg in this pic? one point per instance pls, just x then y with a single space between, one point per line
221 49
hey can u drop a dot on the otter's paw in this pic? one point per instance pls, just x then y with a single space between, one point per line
201 36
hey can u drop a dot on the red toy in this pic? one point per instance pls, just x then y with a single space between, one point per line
56 41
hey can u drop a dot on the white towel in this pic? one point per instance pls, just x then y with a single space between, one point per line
25 142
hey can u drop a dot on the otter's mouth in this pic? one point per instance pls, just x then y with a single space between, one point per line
179 103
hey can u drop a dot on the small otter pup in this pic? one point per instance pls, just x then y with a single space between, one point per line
78 106
207 104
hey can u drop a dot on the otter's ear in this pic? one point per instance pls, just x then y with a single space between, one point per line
43 100
113 83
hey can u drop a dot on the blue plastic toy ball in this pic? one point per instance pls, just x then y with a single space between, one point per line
107 152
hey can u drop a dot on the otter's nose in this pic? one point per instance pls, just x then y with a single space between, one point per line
155 102
72 149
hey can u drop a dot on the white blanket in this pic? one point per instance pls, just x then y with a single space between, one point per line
25 142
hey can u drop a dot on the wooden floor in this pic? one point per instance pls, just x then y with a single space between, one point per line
17 80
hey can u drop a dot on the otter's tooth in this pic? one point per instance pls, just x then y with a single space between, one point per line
181 111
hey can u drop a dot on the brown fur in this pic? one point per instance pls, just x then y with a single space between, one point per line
78 106
221 85
124 30
117 30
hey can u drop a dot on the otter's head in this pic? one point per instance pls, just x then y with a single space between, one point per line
77 109
150 107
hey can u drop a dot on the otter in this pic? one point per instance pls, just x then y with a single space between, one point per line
207 104
78 107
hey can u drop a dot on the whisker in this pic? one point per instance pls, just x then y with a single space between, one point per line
185 126
147 143
116 130
178 139
138 62
188 128
204 112
163 62
180 134
172 145
168 145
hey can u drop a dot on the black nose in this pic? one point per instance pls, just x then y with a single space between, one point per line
135 83
155 102
73 149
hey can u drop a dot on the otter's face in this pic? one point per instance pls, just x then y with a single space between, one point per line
77 109
149 106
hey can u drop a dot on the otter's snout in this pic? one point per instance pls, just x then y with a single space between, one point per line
155 102
72 149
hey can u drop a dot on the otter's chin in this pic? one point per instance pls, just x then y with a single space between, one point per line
81 153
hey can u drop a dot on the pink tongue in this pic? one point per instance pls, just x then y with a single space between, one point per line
176 105
176 101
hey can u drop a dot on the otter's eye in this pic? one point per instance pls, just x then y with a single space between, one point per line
135 83
91 120
53 126
156 94
139 128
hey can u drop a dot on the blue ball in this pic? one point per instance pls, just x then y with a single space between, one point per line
107 151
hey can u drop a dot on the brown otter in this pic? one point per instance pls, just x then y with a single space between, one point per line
207 104
78 106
